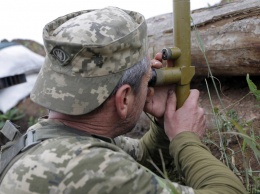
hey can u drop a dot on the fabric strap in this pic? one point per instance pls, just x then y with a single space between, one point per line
34 137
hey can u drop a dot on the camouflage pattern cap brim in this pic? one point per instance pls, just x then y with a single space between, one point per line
87 53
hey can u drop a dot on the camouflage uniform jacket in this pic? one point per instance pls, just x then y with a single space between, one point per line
73 164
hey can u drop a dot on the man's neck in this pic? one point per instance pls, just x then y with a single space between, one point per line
101 125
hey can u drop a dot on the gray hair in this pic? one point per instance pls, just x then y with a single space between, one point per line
133 76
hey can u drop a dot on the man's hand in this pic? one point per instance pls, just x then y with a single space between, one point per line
190 117
157 96
161 103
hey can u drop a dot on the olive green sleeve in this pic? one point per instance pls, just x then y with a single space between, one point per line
201 170
153 141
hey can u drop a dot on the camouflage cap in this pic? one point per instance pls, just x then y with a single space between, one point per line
87 52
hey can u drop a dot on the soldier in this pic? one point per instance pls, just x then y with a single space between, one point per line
95 83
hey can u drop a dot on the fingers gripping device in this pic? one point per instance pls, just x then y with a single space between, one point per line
182 72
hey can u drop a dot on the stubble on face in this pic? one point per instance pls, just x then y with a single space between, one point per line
130 122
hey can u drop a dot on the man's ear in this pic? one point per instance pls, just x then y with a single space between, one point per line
123 100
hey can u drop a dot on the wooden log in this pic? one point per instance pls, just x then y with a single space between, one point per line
230 35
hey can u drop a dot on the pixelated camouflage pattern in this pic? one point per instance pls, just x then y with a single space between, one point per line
83 164
87 54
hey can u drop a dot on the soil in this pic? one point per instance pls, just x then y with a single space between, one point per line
244 109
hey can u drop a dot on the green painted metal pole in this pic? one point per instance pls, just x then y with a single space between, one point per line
181 39
182 72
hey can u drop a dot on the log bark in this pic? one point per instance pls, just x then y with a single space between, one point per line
230 35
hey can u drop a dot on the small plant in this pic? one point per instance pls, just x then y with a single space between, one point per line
253 89
13 115
230 127
32 120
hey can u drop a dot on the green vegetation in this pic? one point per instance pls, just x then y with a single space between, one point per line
237 142
231 128
253 88
32 120
13 115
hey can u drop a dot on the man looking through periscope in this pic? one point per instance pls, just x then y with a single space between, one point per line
95 83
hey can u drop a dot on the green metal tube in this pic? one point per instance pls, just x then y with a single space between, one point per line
181 38
166 76
182 72
171 53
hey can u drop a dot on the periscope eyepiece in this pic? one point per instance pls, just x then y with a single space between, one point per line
153 79
167 75
164 76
